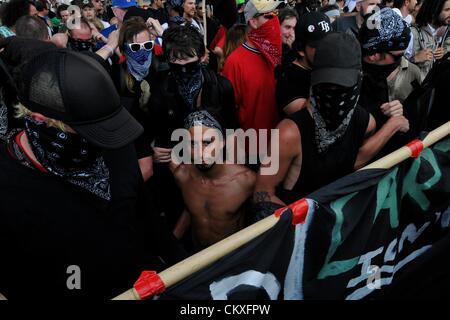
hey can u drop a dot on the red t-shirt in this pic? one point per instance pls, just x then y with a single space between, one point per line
253 80
219 39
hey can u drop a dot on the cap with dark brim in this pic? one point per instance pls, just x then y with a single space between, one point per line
111 133
340 76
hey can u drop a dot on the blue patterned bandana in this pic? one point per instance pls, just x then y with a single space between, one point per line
384 31
138 62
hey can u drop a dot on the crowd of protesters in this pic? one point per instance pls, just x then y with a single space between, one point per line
92 92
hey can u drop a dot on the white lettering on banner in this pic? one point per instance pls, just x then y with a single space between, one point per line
411 234
445 219
267 281
364 291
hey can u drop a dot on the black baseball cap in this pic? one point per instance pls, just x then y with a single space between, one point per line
337 60
311 28
77 90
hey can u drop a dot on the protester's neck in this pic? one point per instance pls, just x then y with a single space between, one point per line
27 148
404 11
188 18
154 6
250 44
215 172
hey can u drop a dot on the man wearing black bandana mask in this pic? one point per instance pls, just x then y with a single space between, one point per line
80 37
71 187
332 137
188 86
388 77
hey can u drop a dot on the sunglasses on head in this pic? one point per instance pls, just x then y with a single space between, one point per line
136 46
184 68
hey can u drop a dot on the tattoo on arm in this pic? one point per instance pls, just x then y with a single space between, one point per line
261 196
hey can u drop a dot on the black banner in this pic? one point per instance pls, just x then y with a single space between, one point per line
375 234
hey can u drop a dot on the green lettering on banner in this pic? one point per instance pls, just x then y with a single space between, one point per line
337 267
443 146
414 189
387 197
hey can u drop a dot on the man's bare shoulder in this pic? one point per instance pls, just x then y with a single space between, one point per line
181 172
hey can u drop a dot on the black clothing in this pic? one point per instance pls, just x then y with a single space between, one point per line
130 99
374 92
346 24
318 170
48 224
159 14
138 12
225 11
168 110
293 83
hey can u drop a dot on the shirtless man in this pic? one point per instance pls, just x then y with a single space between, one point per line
214 194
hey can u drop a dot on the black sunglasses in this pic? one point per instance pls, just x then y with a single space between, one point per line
135 47
184 68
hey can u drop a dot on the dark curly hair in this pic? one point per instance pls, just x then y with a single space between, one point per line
182 42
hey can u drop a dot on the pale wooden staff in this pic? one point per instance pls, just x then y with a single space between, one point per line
204 21
202 259
404 153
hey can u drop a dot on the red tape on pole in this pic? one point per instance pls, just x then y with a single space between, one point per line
149 284
299 211
416 147
278 212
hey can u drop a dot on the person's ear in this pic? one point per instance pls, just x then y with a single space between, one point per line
38 117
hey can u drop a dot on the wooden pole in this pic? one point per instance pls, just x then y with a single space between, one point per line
404 153
204 22
202 259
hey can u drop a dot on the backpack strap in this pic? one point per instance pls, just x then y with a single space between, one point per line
421 39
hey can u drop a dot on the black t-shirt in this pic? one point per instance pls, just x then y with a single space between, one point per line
48 224
293 83
318 170
346 24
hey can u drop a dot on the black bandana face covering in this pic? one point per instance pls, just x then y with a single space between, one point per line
381 72
189 80
334 103
69 156
333 108
80 45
